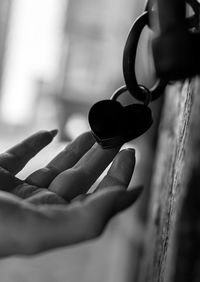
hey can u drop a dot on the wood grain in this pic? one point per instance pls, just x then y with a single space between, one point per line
173 232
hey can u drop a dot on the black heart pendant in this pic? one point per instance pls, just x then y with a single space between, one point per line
112 124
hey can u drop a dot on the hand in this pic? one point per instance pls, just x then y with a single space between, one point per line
52 208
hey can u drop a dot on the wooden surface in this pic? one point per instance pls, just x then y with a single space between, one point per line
172 250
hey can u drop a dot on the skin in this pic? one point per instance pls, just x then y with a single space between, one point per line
52 207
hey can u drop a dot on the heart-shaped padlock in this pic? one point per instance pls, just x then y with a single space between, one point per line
113 124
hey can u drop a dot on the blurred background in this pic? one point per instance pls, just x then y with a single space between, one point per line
57 58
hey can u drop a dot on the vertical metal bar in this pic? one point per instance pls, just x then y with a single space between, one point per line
171 14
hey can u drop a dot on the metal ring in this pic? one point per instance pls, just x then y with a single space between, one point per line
147 93
118 92
124 88
129 57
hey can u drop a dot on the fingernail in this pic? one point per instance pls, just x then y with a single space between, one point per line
131 150
53 132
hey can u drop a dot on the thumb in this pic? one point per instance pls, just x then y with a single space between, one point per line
128 198
103 206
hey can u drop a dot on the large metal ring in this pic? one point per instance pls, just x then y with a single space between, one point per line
129 56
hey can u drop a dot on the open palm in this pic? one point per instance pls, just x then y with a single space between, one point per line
52 207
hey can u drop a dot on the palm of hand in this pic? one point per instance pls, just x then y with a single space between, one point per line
51 207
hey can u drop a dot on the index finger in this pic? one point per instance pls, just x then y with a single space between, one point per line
17 157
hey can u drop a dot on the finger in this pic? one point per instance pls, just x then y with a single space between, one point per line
17 157
79 179
44 196
7 181
35 195
61 227
81 197
106 203
63 161
120 172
